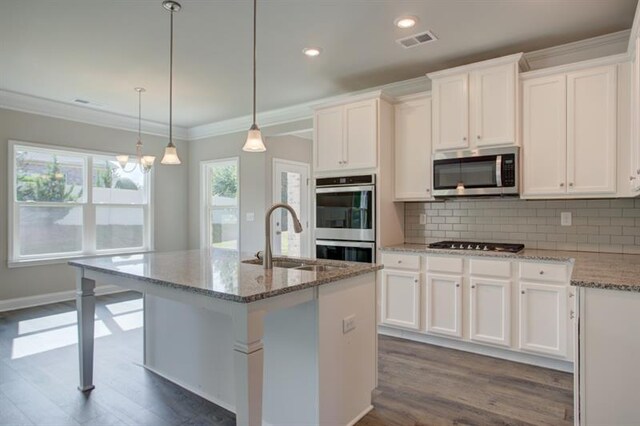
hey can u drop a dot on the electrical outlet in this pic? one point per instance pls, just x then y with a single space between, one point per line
423 219
348 324
565 218
251 217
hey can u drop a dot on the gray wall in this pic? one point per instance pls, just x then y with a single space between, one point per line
597 225
170 194
255 176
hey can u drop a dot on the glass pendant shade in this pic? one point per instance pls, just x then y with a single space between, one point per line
254 141
171 155
148 160
122 160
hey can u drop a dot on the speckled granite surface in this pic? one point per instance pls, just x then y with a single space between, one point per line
221 273
597 270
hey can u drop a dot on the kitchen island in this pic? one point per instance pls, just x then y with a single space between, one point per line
292 345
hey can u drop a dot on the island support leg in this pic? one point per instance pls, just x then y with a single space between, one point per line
248 360
86 307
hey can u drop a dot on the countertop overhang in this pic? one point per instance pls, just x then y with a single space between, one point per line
612 271
221 273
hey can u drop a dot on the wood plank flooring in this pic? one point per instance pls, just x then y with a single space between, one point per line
418 384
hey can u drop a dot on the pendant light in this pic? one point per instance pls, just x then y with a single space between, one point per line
170 152
144 162
254 141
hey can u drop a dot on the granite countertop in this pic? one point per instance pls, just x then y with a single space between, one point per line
596 270
221 273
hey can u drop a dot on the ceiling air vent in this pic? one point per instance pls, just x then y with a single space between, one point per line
417 39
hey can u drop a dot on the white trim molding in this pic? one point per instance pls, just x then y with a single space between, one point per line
517 57
66 111
48 298
591 63
595 47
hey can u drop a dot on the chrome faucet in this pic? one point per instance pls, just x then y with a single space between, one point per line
297 227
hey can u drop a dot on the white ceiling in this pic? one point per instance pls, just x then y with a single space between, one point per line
100 50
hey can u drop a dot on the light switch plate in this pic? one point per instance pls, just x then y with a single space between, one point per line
348 324
565 218
251 217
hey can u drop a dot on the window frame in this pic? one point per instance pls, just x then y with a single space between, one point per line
205 207
14 259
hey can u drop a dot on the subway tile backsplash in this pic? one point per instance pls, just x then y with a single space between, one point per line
609 226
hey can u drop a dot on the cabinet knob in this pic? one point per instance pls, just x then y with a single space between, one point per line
561 184
479 137
541 272
473 286
522 292
571 294
428 190
632 178
464 138
415 281
399 261
457 284
570 183
638 172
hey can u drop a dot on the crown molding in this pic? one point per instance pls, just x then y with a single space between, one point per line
515 58
635 33
35 105
304 111
594 47
591 63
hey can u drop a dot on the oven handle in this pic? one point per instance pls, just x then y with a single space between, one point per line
345 244
345 189
498 170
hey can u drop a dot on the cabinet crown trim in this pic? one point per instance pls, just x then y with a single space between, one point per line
377 94
576 66
515 58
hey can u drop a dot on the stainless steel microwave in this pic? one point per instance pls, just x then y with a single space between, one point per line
491 171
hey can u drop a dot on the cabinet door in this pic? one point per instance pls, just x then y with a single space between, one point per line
361 134
401 299
490 311
329 136
493 106
413 150
543 318
451 112
591 131
444 304
544 124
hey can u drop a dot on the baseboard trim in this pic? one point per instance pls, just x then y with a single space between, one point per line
45 299
360 416
524 358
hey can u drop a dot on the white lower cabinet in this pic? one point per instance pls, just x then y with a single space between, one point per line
543 318
444 304
401 299
521 305
490 311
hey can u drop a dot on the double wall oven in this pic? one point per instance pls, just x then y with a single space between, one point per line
345 218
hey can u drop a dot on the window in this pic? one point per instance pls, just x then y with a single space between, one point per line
221 203
67 203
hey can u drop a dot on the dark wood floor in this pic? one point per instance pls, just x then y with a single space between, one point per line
419 384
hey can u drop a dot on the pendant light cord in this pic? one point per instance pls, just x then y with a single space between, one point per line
139 115
255 3
171 84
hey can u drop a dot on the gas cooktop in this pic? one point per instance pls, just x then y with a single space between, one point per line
468 245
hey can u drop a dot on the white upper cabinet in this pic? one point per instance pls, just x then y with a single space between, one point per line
329 137
570 133
493 105
451 112
475 105
413 150
361 134
346 136
544 131
591 131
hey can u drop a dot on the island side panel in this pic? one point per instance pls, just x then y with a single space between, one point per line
347 358
609 356
192 347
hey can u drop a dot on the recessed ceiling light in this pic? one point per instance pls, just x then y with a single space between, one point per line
406 22
312 51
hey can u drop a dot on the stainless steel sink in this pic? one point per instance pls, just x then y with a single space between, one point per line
297 265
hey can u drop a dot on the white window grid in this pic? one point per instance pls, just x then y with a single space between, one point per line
87 204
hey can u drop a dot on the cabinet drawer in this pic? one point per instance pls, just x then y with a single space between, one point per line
544 271
445 264
490 268
409 262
